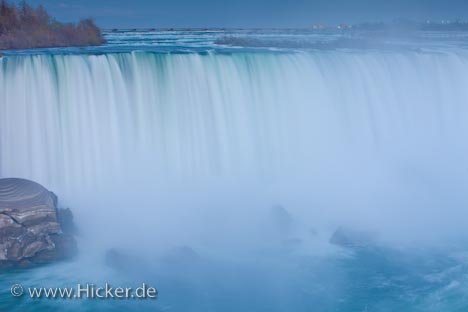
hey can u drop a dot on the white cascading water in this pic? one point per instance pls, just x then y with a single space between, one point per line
68 119
337 123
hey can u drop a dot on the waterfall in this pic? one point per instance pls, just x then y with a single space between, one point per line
70 121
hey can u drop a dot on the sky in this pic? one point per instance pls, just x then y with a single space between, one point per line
249 13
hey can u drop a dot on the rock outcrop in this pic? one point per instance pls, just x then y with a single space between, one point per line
351 238
32 229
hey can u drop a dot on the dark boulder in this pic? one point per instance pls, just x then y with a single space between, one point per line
118 260
65 219
32 228
352 238
181 256
128 263
282 219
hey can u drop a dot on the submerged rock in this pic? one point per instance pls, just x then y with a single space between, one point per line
65 219
282 219
118 259
32 228
181 255
350 238
127 262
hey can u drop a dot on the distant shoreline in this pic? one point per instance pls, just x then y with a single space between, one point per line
397 25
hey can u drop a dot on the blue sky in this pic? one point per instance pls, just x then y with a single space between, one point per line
249 13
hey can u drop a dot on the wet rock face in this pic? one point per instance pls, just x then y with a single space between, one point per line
32 229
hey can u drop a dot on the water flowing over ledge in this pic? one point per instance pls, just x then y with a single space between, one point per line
70 120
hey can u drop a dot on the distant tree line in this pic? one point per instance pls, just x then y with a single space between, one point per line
23 26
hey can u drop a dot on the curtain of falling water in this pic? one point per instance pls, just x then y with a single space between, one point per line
70 120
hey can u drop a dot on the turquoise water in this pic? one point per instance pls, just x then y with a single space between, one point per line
219 163
367 280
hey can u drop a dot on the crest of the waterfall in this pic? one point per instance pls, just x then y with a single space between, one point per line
335 133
